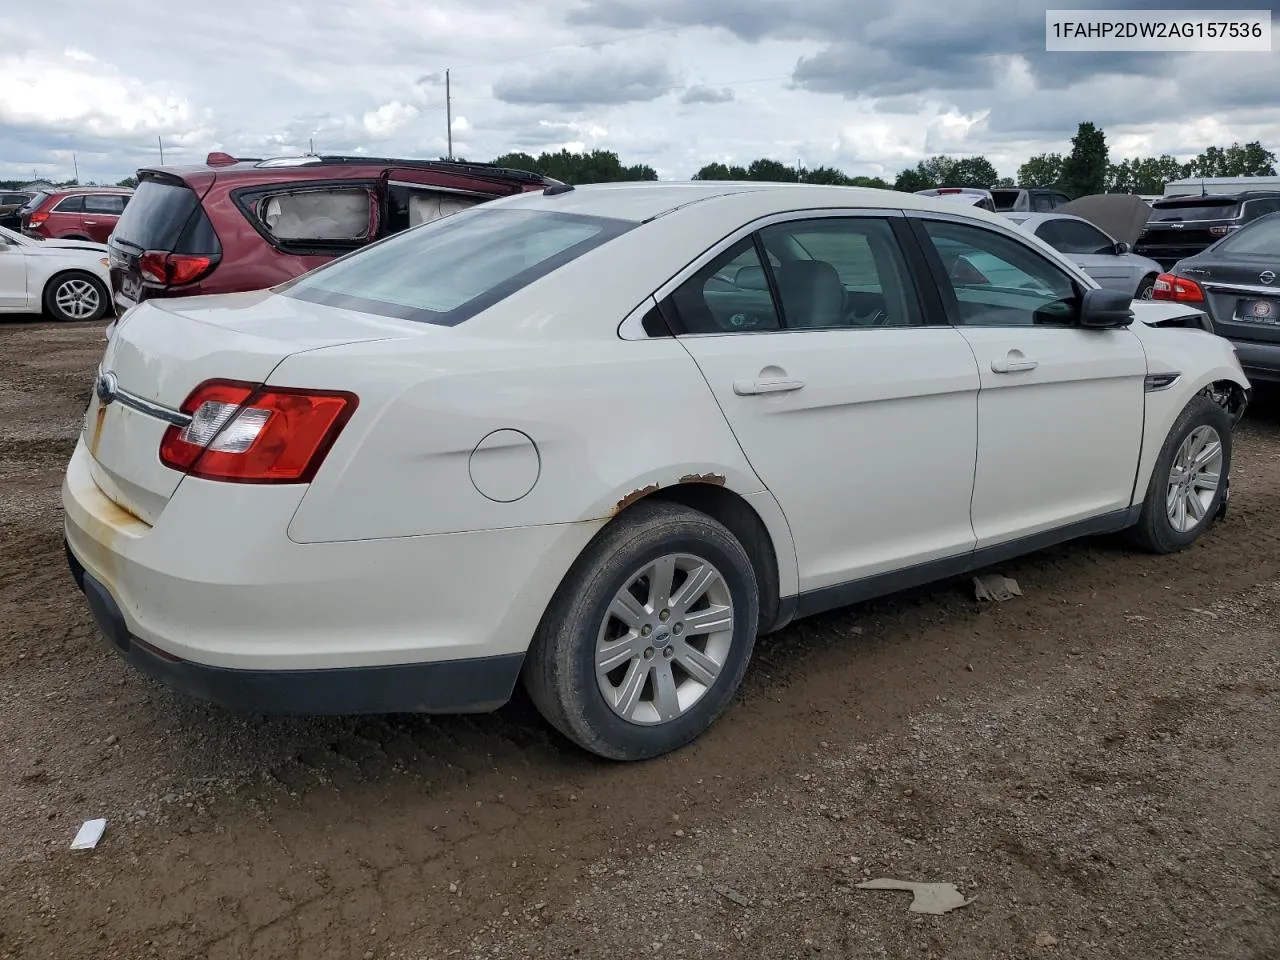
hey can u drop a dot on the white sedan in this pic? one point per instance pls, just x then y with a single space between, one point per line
602 438
67 279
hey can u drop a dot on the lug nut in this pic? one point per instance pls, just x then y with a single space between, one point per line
664 616
678 629
668 652
646 630
648 653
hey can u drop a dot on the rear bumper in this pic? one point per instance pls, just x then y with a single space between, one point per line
1260 361
450 686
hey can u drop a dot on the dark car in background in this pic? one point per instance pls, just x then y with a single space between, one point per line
231 225
11 204
1181 227
1236 281
75 213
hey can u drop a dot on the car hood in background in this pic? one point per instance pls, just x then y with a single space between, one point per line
1122 215
54 245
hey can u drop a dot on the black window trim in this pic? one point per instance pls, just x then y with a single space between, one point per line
942 281
931 304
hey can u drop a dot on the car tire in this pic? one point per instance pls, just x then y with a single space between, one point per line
76 297
1145 289
1161 527
580 630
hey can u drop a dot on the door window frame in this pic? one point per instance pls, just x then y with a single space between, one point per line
932 306
1080 280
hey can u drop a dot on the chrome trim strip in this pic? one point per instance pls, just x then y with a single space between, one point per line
1156 382
1241 288
135 402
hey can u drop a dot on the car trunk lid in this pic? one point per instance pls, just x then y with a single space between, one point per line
165 348
1243 294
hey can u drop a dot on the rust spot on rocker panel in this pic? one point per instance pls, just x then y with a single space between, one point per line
715 479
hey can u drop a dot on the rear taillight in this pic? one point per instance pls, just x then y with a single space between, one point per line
1221 231
1177 289
247 434
174 269
36 219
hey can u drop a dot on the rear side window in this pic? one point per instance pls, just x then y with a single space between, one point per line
455 267
166 216
335 214
104 203
73 204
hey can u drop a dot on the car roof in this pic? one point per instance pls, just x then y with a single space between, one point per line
56 191
307 165
1028 219
640 201
1192 199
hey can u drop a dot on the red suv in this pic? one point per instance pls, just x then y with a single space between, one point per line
231 225
75 213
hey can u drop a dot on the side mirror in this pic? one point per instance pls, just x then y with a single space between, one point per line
1122 248
1101 309
750 278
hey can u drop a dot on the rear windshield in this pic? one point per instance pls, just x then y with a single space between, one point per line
35 201
1200 208
165 216
453 268
1005 199
1260 237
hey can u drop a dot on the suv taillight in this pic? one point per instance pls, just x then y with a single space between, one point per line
248 434
36 219
1221 231
1177 289
174 269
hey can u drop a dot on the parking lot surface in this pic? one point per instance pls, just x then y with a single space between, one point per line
1096 764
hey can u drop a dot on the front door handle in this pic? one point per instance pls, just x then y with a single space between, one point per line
90 223
748 388
1015 362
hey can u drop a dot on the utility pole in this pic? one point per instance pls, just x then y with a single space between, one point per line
448 111
160 141
311 146
76 167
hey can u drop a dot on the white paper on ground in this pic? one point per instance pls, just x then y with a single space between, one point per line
89 835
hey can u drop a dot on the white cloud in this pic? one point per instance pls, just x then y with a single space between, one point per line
388 119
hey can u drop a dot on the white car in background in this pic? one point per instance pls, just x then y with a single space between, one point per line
601 438
66 279
1109 261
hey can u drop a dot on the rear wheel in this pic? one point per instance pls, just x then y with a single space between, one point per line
1146 289
649 635
75 297
1189 481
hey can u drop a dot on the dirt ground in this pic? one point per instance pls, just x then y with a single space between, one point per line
1095 764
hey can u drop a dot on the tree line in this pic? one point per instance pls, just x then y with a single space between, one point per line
1085 169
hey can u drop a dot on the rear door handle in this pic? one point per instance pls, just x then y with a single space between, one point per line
90 223
748 388
1013 364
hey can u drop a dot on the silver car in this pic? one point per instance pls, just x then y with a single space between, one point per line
1109 261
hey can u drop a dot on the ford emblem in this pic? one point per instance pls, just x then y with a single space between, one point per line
106 388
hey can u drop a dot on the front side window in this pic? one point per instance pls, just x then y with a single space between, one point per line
999 282
1075 236
455 267
841 272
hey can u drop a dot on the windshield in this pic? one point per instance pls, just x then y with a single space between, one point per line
1262 237
450 269
1200 208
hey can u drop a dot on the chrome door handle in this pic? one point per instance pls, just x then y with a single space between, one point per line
90 223
748 388
1012 366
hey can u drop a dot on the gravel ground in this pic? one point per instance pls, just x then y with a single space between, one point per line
1095 763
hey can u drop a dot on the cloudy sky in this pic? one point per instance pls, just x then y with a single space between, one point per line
869 86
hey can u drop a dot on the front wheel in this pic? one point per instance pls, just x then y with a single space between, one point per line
75 297
1146 289
1189 481
648 637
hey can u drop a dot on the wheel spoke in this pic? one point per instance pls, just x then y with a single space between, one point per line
662 575
610 656
628 695
1180 513
708 621
628 609
1196 507
1206 455
1206 480
697 664
665 699
693 588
